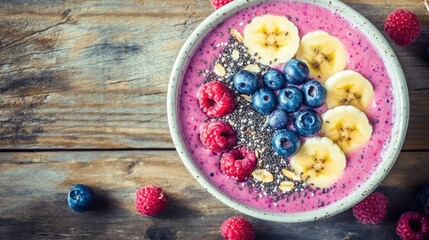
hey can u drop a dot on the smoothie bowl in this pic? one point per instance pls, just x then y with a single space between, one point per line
288 111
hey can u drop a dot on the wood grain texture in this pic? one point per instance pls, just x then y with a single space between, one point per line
94 74
35 185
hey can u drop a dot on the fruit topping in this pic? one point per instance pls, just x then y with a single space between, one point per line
290 98
238 163
278 119
347 126
296 72
273 39
215 99
349 88
245 82
307 122
324 54
217 136
274 79
319 161
264 101
314 93
285 142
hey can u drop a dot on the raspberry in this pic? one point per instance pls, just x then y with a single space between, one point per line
237 228
238 163
217 136
402 26
220 3
150 200
372 209
215 99
412 226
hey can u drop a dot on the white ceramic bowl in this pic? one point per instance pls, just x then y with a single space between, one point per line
389 156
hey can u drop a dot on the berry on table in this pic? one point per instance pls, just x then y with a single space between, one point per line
245 82
220 3
264 101
80 198
290 99
307 122
217 136
285 142
296 72
278 119
371 210
423 198
238 163
215 99
402 26
237 228
274 79
412 226
314 93
150 200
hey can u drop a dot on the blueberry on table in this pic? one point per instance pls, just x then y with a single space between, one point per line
245 82
80 198
278 119
285 142
307 122
314 93
296 72
274 79
423 198
290 98
264 101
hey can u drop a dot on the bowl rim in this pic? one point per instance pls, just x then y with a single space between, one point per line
389 154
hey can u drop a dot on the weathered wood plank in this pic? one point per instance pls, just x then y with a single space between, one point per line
90 74
34 188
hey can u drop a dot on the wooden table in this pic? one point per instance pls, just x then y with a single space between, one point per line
83 100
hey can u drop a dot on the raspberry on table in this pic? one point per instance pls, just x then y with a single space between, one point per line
215 99
402 26
412 226
371 210
237 228
238 163
217 136
150 200
220 3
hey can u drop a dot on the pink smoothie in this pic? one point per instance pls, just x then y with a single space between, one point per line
362 57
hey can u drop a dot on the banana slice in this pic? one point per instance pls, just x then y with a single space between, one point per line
320 162
323 53
347 126
274 39
349 88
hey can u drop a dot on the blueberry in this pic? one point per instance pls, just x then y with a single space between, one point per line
423 198
290 98
80 198
264 101
285 142
296 72
278 119
245 82
274 79
427 52
307 122
314 93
